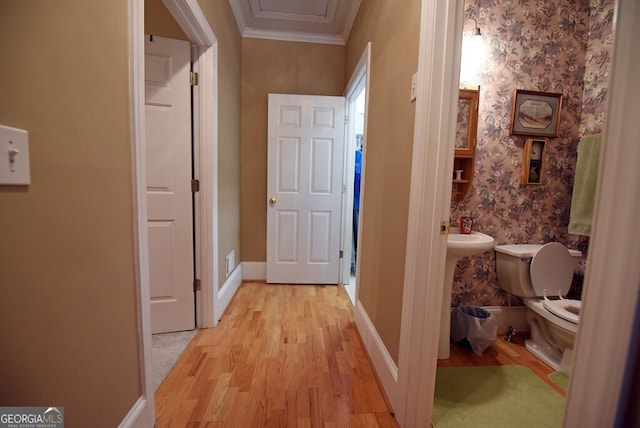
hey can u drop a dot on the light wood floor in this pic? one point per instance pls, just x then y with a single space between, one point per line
290 356
281 356
501 353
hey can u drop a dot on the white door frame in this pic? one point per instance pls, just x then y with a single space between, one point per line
612 281
430 198
361 71
191 19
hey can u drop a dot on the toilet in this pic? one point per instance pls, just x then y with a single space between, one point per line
541 275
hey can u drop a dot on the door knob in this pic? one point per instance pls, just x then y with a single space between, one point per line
272 201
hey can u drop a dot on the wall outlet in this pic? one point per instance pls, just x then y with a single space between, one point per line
230 262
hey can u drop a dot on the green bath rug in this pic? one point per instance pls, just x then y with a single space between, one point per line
560 378
494 396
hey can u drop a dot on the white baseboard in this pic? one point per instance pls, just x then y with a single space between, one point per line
229 288
139 416
254 271
386 369
509 316
514 316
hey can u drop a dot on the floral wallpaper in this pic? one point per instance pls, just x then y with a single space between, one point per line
561 46
462 131
599 51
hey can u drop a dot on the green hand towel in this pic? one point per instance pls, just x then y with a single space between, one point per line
584 185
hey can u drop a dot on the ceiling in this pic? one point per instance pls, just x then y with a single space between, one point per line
320 21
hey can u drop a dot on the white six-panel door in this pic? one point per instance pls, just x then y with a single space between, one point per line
304 188
168 165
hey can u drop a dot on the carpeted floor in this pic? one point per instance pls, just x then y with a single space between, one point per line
166 348
494 396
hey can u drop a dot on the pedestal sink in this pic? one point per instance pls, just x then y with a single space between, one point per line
458 246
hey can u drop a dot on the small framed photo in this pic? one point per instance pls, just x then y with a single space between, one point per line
535 113
533 161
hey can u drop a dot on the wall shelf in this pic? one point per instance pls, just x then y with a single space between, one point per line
464 157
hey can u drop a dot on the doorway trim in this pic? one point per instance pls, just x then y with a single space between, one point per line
360 72
612 280
440 47
191 19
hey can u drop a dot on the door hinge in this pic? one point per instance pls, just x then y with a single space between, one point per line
193 78
196 285
444 227
346 120
341 254
195 185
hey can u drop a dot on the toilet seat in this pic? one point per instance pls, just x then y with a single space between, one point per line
551 269
551 272
537 306
567 309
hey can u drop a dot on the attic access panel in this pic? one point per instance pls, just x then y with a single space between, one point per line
298 10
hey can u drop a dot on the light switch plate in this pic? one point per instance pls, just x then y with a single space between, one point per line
413 86
14 156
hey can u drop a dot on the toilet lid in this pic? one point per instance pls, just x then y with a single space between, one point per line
551 269
567 309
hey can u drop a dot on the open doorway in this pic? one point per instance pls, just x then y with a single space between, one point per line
191 20
356 137
355 146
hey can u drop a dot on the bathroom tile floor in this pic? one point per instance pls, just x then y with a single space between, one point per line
501 353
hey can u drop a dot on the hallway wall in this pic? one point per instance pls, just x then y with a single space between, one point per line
272 66
67 268
393 29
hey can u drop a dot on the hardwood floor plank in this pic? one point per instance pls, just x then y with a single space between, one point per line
281 356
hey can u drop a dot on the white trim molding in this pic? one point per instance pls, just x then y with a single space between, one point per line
291 36
191 19
384 366
612 280
193 22
229 288
143 411
136 417
430 203
254 271
359 81
509 316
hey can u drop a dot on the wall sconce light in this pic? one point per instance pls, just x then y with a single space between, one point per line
473 55
476 31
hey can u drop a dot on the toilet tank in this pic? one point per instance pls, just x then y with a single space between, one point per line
512 267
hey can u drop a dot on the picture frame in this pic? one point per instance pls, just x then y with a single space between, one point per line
535 113
533 161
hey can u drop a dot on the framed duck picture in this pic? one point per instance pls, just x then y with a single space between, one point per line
533 161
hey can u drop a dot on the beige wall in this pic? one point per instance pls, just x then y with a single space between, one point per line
223 23
158 21
270 66
67 272
393 29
